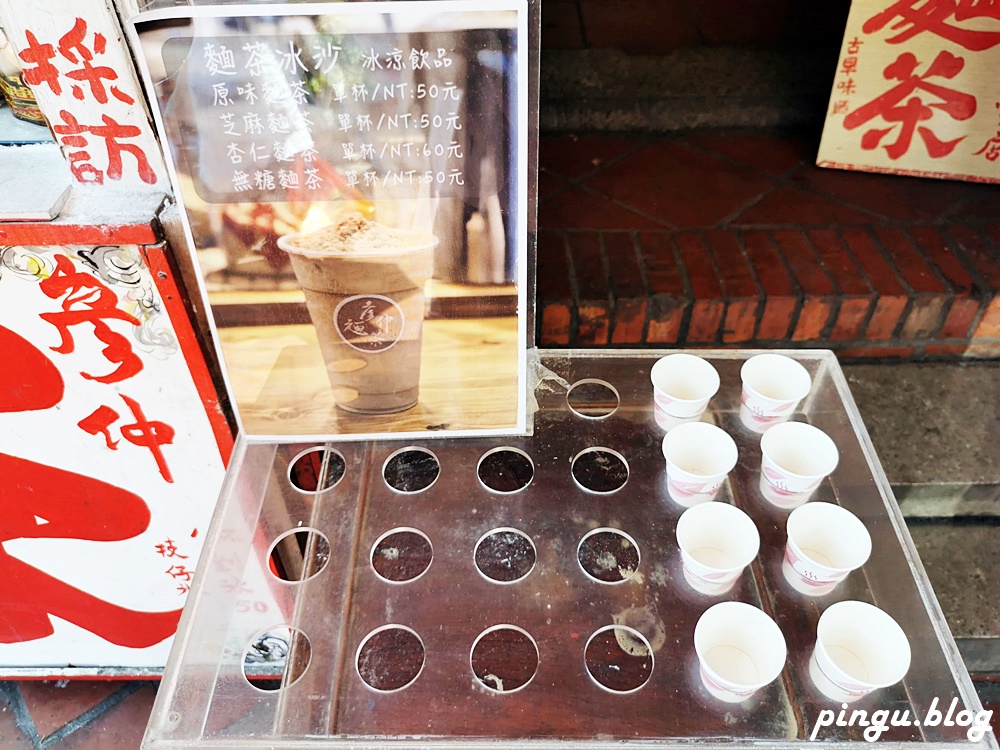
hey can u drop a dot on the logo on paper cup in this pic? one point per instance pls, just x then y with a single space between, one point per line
808 576
369 323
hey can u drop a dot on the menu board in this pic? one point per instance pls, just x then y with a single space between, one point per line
354 178
388 114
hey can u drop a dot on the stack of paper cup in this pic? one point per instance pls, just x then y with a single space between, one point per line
699 457
797 458
717 541
683 384
859 648
825 543
740 650
773 385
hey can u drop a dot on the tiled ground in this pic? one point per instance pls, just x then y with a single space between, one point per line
66 717
78 715
718 238
703 238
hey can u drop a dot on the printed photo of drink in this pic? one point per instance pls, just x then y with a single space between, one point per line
364 289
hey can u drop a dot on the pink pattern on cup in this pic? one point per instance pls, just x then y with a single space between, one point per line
776 479
791 558
686 489
710 682
662 401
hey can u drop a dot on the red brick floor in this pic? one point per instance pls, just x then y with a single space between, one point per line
737 238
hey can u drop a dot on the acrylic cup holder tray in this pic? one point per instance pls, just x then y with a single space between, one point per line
460 591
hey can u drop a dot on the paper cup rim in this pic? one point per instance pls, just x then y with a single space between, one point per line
836 510
732 450
740 611
784 427
708 508
785 361
687 357
286 243
886 618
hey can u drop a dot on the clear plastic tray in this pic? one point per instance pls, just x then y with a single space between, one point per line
206 701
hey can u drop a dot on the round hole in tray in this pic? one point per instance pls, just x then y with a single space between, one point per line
504 658
401 555
316 470
299 554
619 658
411 470
600 470
593 399
608 555
390 658
505 470
276 658
505 555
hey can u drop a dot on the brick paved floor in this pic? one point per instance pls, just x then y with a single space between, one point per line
736 238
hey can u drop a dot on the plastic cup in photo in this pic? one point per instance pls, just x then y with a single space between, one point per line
367 308
740 650
825 543
717 541
773 385
699 457
859 648
797 457
683 384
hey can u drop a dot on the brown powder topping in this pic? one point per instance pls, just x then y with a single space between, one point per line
355 234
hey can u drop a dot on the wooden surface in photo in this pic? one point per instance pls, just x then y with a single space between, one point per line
468 380
916 91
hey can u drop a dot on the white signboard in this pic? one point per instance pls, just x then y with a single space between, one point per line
109 463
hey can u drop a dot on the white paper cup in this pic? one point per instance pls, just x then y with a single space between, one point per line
717 541
797 458
773 385
666 423
825 543
859 648
699 457
740 650
683 384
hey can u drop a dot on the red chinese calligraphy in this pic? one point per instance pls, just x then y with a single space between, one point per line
169 549
45 502
30 381
99 423
86 300
909 115
40 55
991 149
73 48
180 572
143 433
71 134
913 17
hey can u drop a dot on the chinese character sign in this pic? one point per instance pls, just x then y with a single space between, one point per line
915 90
81 74
282 117
110 467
